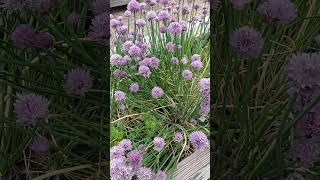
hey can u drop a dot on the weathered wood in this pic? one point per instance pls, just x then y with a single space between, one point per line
116 3
194 167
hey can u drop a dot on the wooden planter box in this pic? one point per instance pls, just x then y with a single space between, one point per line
116 3
194 167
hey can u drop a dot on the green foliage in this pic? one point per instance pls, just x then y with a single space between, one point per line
253 117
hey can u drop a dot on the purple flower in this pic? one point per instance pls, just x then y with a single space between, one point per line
43 41
196 57
197 65
164 2
278 11
178 137
127 13
151 15
151 2
205 85
117 152
184 25
41 6
98 27
133 6
119 73
114 23
144 173
164 15
78 81
15 5
186 9
295 176
101 6
122 107
238 4
119 170
157 92
247 42
158 143
127 45
175 60
134 51
175 28
304 70
306 151
122 29
154 62
126 144
40 145
140 23
31 108
170 46
134 87
163 29
199 140
184 61
135 159
144 71
187 74
73 19
119 96
115 59
161 175
143 6
23 36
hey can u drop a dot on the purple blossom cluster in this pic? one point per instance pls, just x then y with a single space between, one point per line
304 80
205 92
127 163
25 37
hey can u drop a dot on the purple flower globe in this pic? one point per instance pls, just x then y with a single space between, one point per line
134 51
175 28
197 65
158 143
144 71
119 170
170 46
164 15
161 175
196 57
187 74
119 73
157 92
247 42
151 15
279 12
163 29
199 140
134 87
178 137
78 81
119 96
117 152
145 173
98 28
175 60
135 159
126 144
23 36
43 41
31 108
133 6
40 145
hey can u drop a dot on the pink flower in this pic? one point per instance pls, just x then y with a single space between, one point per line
187 74
144 71
158 143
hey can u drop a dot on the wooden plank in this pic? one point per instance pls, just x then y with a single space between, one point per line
194 167
116 3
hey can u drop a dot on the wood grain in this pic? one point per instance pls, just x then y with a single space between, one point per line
116 3
194 167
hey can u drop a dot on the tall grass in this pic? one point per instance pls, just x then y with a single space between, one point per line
253 114
77 126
